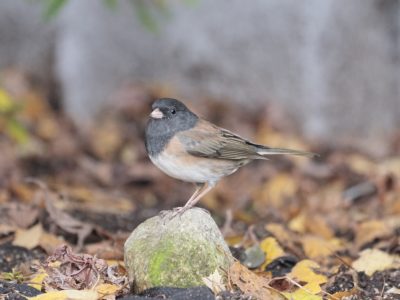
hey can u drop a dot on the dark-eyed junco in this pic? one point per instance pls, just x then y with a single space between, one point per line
191 149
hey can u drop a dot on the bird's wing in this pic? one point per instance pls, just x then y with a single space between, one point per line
208 140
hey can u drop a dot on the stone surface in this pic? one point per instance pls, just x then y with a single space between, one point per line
175 252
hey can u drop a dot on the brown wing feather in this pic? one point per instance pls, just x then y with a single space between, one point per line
208 140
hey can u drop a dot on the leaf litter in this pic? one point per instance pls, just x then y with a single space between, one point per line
325 228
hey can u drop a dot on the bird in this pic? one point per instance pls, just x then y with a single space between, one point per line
191 149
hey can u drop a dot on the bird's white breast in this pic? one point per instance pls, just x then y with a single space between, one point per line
198 171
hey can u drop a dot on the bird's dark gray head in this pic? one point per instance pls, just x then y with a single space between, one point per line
168 117
168 108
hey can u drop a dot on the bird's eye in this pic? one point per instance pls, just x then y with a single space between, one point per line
173 111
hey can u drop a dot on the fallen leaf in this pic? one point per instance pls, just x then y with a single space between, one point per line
280 233
298 223
68 295
29 238
393 290
277 189
361 164
304 271
6 103
272 250
49 242
301 294
372 260
368 231
317 225
316 247
251 283
38 278
215 282
343 294
106 289
7 229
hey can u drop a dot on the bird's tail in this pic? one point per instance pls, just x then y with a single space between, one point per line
265 151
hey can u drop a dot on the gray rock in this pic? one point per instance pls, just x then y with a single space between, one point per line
175 252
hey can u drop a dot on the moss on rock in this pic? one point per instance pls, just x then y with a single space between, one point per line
176 252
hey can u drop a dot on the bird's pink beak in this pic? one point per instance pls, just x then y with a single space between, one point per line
156 114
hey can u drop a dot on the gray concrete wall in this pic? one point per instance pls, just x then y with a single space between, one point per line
333 64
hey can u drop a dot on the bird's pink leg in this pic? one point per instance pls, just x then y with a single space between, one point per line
197 195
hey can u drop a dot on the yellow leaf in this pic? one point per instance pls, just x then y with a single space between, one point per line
6 104
68 295
105 289
298 223
272 250
29 238
304 271
37 280
372 260
316 247
301 294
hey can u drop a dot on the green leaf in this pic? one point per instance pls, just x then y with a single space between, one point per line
143 13
112 4
53 7
17 131
6 103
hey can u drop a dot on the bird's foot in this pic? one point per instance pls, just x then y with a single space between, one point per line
170 214
179 211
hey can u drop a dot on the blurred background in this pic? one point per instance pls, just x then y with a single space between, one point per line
77 79
332 67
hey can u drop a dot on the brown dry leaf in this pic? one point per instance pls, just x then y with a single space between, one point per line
343 294
361 164
29 238
372 260
7 229
250 283
22 215
317 225
277 189
390 166
304 271
272 250
68 295
106 139
49 242
106 249
368 231
97 200
280 233
316 247
23 191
